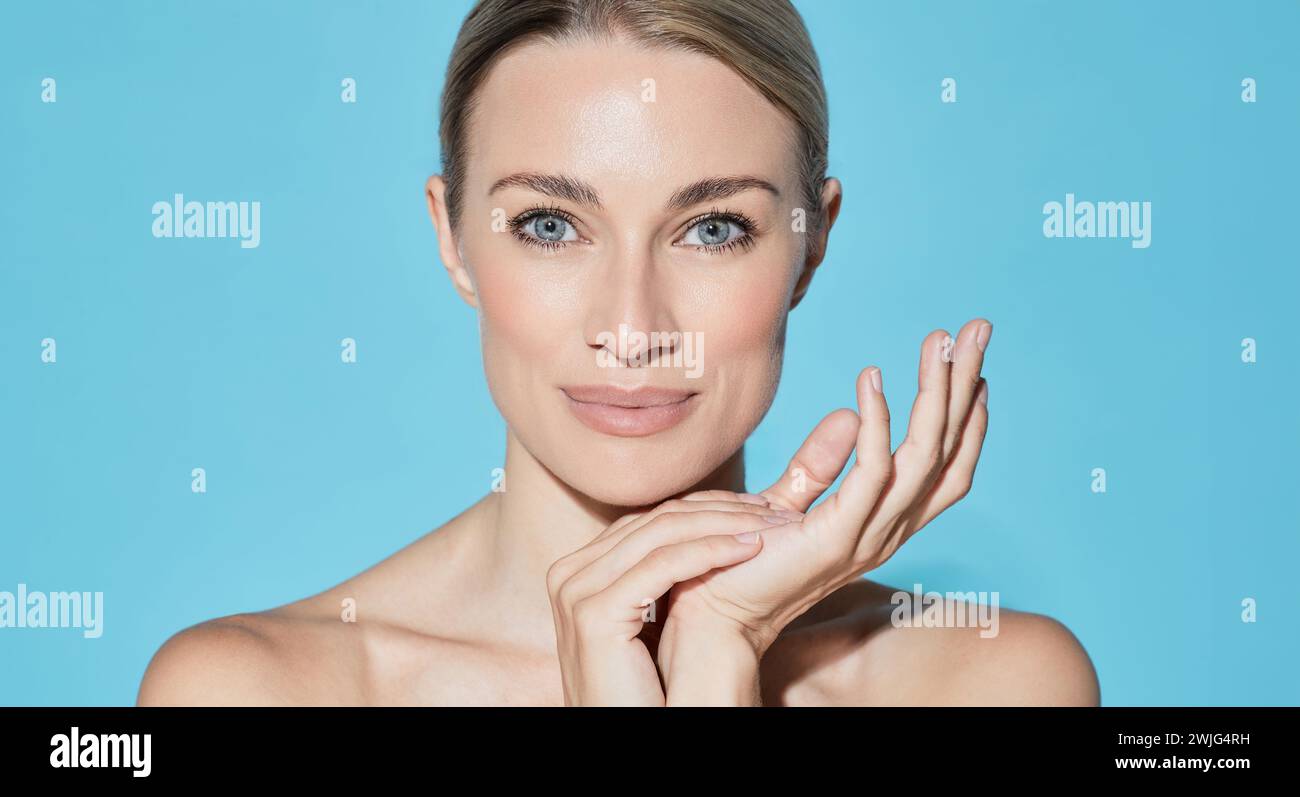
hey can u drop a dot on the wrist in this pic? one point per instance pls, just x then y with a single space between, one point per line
709 667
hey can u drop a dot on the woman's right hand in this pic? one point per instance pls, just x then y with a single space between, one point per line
601 593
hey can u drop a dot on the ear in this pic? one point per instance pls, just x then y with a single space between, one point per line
829 210
435 193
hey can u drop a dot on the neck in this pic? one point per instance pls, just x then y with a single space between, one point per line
537 519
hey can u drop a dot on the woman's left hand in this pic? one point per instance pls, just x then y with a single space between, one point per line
882 502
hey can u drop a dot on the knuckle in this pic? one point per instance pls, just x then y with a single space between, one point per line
879 470
675 506
556 575
565 595
658 558
661 522
927 454
964 486
585 613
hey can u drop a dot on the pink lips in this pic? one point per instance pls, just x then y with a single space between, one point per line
624 412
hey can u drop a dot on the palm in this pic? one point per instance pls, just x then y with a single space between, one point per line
884 499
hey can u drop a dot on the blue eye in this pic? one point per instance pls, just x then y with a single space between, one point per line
548 228
713 231
719 231
551 228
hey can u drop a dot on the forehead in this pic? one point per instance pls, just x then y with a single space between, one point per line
617 114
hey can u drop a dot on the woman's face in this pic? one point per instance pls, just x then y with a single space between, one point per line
629 236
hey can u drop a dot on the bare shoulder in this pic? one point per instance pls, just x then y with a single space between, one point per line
278 657
851 650
361 642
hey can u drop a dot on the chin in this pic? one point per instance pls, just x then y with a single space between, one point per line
627 496
634 473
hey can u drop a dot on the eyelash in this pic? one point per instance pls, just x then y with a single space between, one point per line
747 226
517 224
745 241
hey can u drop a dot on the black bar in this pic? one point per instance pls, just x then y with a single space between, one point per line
437 745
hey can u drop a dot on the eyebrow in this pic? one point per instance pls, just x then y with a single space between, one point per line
575 190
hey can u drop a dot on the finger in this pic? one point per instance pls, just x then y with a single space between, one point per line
725 495
958 477
665 530
625 599
817 463
873 468
621 523
631 523
919 458
967 362
607 538
697 502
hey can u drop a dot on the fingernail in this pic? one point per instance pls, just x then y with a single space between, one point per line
982 337
749 537
875 379
750 498
776 520
984 393
946 349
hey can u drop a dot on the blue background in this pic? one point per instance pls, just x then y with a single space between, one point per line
181 354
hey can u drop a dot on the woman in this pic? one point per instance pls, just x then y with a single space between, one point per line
611 171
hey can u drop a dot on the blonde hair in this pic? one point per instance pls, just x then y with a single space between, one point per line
764 41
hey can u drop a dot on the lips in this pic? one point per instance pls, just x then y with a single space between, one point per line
624 412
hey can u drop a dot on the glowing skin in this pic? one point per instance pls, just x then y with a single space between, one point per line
625 483
542 311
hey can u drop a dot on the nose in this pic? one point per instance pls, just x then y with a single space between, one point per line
629 320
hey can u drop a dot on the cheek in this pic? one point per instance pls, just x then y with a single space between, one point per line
524 313
757 318
746 321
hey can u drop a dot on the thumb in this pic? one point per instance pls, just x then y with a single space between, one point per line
817 463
